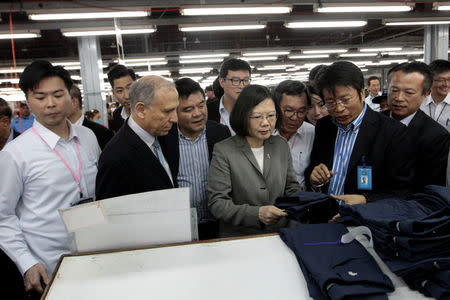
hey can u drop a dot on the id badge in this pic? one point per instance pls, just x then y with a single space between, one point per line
364 178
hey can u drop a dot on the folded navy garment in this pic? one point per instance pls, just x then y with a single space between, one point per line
435 285
333 269
308 207
434 224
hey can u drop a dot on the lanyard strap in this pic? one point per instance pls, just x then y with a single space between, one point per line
445 105
77 178
293 142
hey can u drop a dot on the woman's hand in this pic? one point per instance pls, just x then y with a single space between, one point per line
270 214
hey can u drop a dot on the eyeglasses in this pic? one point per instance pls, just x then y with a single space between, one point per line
237 81
332 105
269 117
442 80
298 113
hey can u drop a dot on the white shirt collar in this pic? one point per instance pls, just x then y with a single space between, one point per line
142 134
123 113
80 121
406 120
49 136
299 132
222 108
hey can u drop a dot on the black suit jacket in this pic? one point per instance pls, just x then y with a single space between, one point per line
213 110
128 166
384 143
215 132
102 133
432 142
117 120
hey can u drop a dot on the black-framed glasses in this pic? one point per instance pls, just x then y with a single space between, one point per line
271 117
237 81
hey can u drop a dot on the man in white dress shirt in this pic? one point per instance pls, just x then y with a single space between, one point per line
437 104
374 87
292 97
51 166
7 134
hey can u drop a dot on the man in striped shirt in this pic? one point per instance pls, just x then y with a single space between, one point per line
358 155
192 140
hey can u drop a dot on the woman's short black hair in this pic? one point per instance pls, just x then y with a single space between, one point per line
340 73
250 97
40 69
290 88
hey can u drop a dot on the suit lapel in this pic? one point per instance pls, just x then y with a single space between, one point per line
145 154
364 140
245 148
268 151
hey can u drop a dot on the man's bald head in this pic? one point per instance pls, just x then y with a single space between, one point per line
145 90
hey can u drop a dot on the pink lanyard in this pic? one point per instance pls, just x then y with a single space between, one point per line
293 142
77 178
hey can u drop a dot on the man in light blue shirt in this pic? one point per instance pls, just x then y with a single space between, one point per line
24 121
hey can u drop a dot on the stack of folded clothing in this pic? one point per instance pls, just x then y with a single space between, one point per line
334 269
411 236
308 207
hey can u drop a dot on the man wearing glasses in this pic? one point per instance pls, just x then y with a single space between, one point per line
437 104
233 77
293 99
358 155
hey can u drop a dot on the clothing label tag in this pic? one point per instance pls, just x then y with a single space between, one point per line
364 178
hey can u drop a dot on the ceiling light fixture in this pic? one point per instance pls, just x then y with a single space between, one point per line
416 21
195 70
88 15
381 49
361 7
325 51
148 63
189 28
308 56
151 59
95 32
325 24
158 72
266 53
259 58
358 54
419 52
20 35
204 60
275 67
204 56
240 10
8 71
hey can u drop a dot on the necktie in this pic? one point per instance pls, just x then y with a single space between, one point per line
160 156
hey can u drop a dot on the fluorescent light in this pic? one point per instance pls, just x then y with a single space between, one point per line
308 56
275 67
66 63
151 59
246 10
362 7
75 77
106 32
204 60
185 28
267 53
259 58
443 7
380 49
419 52
326 24
194 70
12 80
88 15
411 23
357 54
8 71
364 70
148 63
388 62
312 65
361 63
204 56
320 51
28 35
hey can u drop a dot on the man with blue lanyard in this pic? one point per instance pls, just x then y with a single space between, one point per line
358 155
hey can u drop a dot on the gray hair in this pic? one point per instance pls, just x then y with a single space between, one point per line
144 89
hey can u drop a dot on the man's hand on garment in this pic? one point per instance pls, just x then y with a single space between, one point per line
351 199
320 175
34 277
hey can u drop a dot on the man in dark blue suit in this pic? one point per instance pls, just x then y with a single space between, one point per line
409 84
358 155
192 141
134 161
